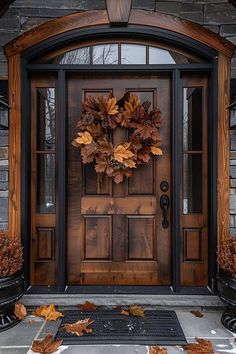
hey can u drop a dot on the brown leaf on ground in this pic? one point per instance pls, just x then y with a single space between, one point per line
157 350
32 322
79 327
197 313
20 311
46 346
136 310
125 312
88 306
202 346
48 312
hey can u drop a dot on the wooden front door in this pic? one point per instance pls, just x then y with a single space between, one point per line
114 232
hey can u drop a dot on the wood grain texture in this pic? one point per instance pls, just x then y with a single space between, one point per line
137 17
119 11
15 146
223 148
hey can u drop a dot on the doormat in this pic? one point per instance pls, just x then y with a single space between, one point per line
111 327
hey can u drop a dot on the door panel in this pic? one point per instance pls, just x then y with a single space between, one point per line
115 233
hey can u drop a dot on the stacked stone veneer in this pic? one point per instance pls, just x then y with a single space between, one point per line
217 15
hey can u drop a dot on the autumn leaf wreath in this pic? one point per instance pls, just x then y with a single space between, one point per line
101 116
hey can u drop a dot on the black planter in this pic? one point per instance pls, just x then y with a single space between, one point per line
11 290
227 293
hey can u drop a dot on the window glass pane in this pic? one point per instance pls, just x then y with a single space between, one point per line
77 56
192 119
133 54
45 202
105 54
192 183
46 111
165 56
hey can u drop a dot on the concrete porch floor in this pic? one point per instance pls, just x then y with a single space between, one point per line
18 339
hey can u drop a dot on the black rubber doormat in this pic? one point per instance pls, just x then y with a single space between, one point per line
110 327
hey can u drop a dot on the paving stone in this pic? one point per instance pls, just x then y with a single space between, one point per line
106 349
232 204
3 152
49 327
171 8
3 186
22 334
233 171
140 4
3 176
11 350
219 14
209 326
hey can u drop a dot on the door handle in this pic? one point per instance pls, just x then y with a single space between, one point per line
165 203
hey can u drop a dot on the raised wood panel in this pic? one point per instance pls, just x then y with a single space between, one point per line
94 183
128 205
100 17
223 148
45 244
118 11
97 238
141 237
192 244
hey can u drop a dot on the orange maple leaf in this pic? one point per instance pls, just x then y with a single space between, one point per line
157 350
112 107
156 151
122 152
88 306
48 312
84 138
202 346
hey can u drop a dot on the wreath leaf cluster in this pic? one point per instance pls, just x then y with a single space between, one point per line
101 116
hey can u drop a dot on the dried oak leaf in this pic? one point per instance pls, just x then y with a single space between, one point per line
46 346
197 313
20 311
156 151
88 152
136 310
88 306
112 107
84 138
122 152
202 346
80 327
48 312
157 350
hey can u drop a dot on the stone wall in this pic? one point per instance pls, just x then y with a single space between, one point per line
217 15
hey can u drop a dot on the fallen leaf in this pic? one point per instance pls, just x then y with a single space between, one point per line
84 138
118 308
156 151
202 346
32 322
157 350
197 313
46 346
79 327
136 310
48 312
20 311
88 306
125 312
112 107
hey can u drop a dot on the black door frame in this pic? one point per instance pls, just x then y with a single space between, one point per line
175 70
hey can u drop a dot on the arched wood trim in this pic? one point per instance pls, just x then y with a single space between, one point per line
95 18
137 17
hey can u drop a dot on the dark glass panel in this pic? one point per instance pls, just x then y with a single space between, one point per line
105 54
192 183
192 119
77 56
46 112
45 202
133 54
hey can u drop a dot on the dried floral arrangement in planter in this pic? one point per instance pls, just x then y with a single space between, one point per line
227 256
101 116
11 254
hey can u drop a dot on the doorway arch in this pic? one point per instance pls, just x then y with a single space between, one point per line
142 24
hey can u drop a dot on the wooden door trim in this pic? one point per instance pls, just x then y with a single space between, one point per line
100 17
